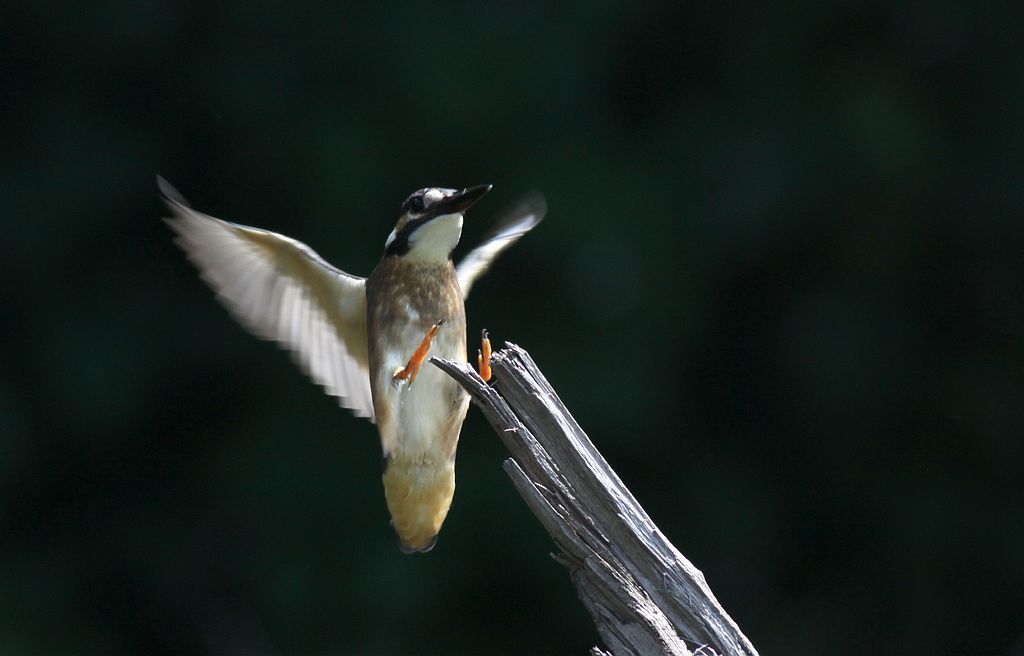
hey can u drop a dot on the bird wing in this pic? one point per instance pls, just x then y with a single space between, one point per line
281 290
513 225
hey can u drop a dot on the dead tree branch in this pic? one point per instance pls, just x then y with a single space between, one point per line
644 596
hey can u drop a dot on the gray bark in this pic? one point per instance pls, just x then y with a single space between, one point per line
644 596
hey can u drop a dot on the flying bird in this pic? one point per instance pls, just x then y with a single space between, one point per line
365 340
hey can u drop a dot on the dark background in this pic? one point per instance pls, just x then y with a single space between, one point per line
780 283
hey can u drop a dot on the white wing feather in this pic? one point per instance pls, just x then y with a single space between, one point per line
516 223
281 290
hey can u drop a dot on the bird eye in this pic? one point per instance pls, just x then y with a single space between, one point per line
414 205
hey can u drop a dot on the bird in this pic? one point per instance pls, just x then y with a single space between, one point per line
365 340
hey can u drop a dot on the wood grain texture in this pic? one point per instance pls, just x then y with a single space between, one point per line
644 596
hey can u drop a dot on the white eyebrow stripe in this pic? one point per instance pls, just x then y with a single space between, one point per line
434 195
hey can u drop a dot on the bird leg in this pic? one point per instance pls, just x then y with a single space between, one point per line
412 368
483 356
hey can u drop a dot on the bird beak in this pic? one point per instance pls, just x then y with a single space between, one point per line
461 201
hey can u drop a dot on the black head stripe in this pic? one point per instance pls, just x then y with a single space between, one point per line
413 204
400 244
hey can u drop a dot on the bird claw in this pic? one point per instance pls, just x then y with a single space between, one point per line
408 373
400 378
483 356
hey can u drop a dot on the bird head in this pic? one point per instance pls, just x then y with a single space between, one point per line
431 223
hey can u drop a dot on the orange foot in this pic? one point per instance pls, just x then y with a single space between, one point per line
412 368
483 356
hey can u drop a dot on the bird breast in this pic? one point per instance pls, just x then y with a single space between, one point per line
418 422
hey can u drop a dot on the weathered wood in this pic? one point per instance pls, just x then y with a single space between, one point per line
644 596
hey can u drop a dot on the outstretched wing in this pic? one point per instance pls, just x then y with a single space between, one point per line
280 289
516 223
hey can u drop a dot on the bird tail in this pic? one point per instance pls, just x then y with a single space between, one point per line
419 495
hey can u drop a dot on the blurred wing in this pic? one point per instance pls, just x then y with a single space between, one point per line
516 223
281 290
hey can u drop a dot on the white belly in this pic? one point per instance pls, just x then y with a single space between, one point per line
418 419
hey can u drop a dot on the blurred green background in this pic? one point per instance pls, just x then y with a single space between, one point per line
780 283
